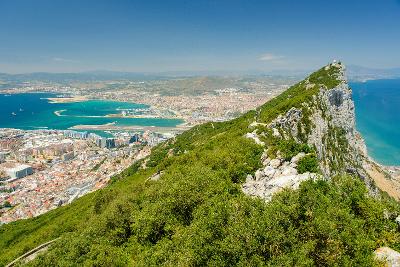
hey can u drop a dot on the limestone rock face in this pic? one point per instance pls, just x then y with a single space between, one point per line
334 134
325 120
331 124
286 121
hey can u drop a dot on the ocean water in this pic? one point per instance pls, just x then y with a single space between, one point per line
377 104
33 111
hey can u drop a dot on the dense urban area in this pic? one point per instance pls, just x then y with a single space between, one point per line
43 169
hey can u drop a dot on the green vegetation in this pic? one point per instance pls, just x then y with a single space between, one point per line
289 148
212 223
339 148
309 163
196 214
299 94
327 77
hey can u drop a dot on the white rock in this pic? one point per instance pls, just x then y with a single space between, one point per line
277 173
283 181
284 165
258 175
156 176
264 156
296 158
275 163
389 256
266 161
249 178
269 171
275 132
254 136
398 220
289 171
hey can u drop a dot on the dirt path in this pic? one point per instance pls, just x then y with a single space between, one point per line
30 255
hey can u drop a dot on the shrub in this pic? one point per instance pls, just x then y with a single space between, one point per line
308 163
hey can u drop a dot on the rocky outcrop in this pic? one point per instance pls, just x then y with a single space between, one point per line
288 122
329 123
326 122
275 175
253 135
334 135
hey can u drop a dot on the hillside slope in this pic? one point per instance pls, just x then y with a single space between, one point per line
187 203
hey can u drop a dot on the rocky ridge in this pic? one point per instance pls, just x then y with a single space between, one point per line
326 123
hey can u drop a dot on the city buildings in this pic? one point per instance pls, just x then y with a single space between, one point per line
43 169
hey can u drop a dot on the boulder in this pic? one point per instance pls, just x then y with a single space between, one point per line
284 165
275 132
258 175
398 220
266 161
289 171
264 156
249 178
388 255
275 163
298 157
269 171
254 136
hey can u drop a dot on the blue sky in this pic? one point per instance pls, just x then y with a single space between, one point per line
197 35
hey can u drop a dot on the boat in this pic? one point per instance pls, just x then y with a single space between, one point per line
20 110
13 113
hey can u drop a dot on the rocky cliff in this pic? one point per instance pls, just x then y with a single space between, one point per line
325 122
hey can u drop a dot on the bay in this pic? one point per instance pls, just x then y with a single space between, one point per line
31 111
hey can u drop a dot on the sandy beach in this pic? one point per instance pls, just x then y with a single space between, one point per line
74 99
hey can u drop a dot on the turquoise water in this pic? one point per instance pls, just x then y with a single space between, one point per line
378 118
33 111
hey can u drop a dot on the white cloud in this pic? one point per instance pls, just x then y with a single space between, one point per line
270 57
60 59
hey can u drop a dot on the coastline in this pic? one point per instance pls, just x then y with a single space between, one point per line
112 127
72 99
387 178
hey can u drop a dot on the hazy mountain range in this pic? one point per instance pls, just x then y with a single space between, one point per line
354 72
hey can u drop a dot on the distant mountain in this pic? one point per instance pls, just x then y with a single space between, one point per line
105 75
360 73
354 72
81 76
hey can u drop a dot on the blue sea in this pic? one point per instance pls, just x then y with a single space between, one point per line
33 111
377 105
